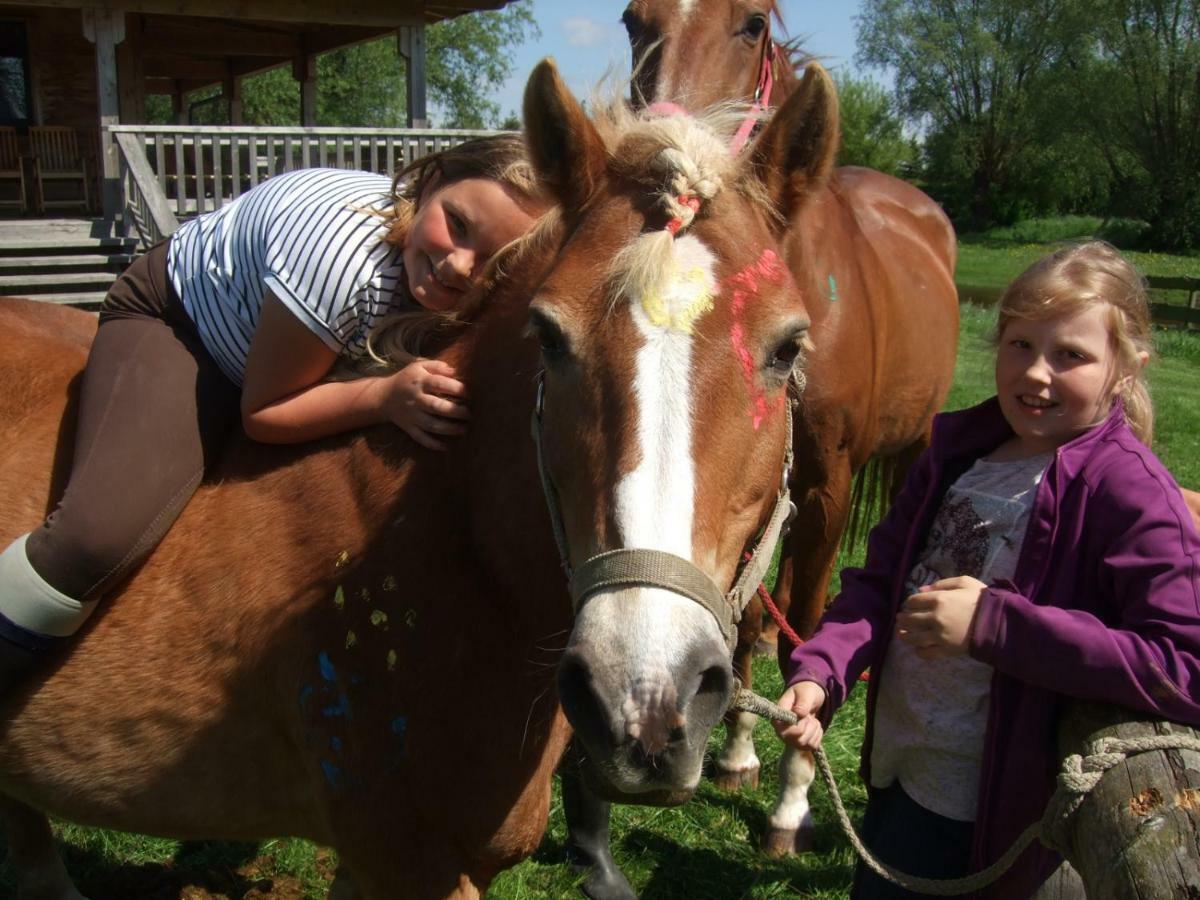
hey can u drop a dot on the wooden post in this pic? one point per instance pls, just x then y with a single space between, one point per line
1137 835
131 71
304 70
178 103
231 87
106 28
410 44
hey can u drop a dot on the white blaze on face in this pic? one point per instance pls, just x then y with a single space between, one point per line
654 502
685 8
646 635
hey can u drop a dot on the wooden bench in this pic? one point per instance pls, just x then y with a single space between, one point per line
1174 313
57 159
12 169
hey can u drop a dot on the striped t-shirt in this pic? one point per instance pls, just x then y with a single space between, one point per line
309 237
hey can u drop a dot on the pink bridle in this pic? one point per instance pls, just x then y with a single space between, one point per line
762 97
762 93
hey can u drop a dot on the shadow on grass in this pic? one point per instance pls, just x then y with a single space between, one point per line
197 870
706 872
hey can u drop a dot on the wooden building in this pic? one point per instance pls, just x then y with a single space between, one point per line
88 68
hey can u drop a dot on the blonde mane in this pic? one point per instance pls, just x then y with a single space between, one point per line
683 162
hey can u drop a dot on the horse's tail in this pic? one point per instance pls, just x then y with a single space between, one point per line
875 487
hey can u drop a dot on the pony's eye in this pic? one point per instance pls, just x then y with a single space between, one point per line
783 358
552 341
755 26
633 24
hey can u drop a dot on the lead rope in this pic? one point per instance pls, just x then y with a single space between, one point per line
1078 776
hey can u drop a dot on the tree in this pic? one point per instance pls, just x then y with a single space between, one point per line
470 55
872 133
1141 91
966 71
364 84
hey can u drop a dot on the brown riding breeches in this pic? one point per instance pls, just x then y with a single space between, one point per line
154 413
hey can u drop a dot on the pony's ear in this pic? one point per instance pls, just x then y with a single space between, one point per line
565 148
795 151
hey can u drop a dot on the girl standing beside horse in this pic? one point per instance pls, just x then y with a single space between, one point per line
243 313
1039 550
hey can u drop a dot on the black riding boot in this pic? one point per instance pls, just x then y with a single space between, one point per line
587 837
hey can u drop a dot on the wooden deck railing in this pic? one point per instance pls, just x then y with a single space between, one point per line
144 205
200 168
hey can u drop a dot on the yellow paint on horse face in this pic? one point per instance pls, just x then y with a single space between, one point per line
351 639
671 282
686 298
391 660
339 597
378 618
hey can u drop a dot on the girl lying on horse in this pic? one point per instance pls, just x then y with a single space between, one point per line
243 313
1038 550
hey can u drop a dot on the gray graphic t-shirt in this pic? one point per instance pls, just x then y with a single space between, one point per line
931 714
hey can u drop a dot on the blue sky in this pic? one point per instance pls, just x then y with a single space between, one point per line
585 37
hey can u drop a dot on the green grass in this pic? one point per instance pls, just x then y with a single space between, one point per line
706 848
987 262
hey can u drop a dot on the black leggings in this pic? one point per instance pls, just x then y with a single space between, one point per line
154 413
906 836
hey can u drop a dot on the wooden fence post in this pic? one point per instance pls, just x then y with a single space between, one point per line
1137 834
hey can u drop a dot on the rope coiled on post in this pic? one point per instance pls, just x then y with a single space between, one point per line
1079 775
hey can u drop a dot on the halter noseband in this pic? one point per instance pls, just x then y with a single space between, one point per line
633 567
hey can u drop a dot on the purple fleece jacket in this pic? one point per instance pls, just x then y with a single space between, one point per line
1104 605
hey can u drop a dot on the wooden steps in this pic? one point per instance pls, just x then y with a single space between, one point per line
70 261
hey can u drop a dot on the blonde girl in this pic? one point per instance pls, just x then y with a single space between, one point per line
239 318
1038 552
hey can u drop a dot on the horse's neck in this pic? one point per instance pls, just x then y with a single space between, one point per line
503 508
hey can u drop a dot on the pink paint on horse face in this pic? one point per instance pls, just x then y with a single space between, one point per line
745 283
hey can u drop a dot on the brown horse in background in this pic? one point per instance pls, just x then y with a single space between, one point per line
355 641
875 258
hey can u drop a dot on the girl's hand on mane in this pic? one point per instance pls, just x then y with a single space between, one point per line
427 401
937 619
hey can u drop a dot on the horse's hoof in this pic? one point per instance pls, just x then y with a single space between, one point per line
765 647
781 842
607 882
734 781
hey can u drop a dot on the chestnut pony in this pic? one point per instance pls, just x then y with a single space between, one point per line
875 259
356 641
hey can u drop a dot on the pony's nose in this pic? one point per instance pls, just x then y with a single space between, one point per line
651 711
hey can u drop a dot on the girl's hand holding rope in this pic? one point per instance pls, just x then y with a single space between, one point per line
805 699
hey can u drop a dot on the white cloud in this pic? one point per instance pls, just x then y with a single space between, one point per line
583 32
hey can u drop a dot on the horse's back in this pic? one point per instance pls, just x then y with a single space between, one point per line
43 348
25 322
905 214
881 257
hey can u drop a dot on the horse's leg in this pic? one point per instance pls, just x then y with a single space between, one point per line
790 826
816 533
587 835
737 765
39 870
768 641
441 873
343 887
